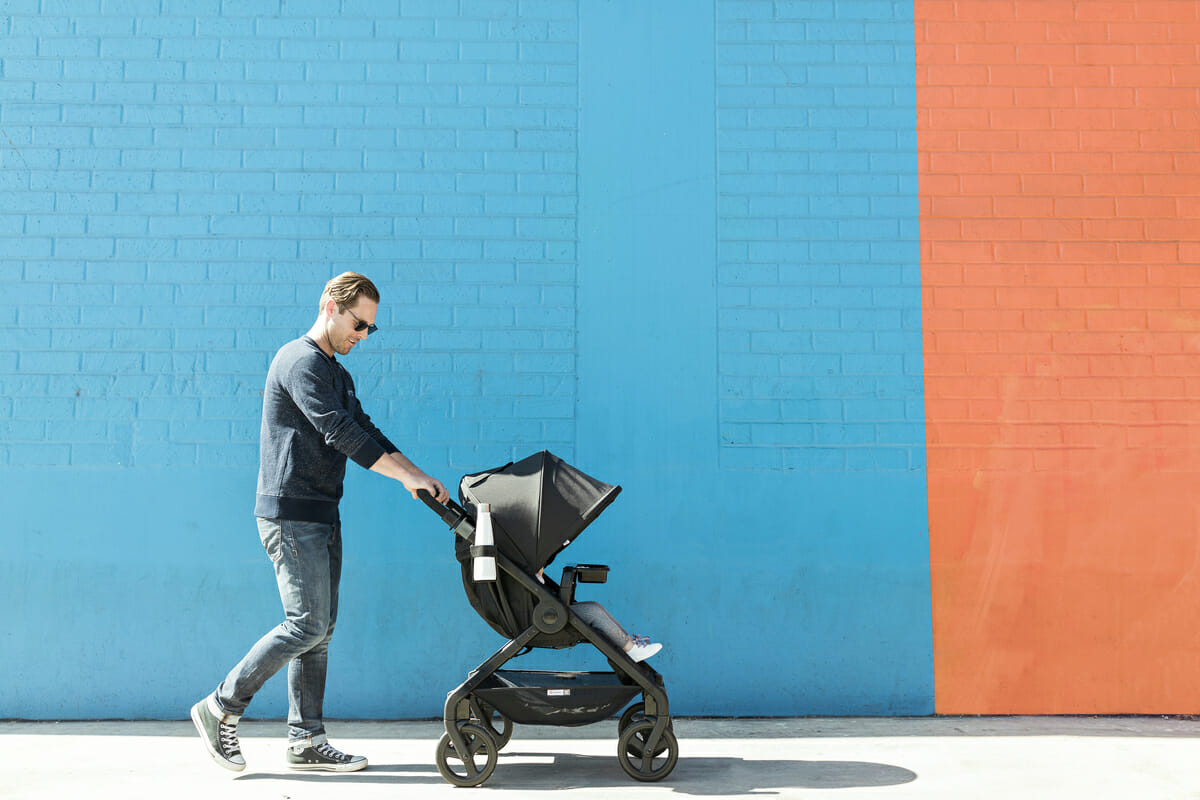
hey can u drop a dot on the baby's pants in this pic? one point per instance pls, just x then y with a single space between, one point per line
598 617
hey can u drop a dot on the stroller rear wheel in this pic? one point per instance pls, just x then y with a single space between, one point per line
467 769
635 711
636 759
487 718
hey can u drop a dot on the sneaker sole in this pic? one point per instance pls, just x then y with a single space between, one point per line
329 767
232 766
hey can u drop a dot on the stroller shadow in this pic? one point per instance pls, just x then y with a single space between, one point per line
699 776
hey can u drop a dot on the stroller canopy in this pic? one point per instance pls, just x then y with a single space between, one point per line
539 504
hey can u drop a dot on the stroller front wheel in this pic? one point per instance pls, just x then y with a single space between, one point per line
638 711
637 760
472 767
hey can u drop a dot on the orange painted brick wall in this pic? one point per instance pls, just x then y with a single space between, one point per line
1060 213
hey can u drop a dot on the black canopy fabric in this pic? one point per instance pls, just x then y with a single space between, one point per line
540 504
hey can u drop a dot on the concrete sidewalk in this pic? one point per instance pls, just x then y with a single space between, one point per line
964 758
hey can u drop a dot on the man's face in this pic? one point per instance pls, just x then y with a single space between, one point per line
342 335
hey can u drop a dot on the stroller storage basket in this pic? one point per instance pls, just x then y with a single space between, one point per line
531 697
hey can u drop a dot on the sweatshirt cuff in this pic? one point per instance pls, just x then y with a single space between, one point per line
368 454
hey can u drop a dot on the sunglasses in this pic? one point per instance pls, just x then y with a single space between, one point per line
362 326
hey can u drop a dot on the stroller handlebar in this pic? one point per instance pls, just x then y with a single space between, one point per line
451 513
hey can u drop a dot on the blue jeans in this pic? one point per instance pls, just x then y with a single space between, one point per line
308 568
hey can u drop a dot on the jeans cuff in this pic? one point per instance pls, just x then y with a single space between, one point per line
308 741
214 705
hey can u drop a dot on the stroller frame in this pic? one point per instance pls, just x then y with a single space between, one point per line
647 749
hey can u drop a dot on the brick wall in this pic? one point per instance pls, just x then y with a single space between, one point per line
180 178
1059 186
818 274
709 293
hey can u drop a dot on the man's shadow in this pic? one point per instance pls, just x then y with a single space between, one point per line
701 776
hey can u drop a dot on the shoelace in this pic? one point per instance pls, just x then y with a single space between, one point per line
229 740
641 641
329 751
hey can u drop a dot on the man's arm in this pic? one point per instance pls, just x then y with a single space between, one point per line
398 467
309 382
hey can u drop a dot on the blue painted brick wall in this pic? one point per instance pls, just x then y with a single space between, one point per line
818 245
694 288
180 178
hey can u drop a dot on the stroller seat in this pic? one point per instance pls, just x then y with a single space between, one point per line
539 506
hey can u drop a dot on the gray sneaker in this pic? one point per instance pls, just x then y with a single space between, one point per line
219 732
318 754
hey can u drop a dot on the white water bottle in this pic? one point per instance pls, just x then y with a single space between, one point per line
484 565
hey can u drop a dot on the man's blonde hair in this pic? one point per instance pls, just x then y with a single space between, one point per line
346 288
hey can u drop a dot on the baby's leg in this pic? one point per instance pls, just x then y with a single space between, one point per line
598 617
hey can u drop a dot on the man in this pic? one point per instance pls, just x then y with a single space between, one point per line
312 422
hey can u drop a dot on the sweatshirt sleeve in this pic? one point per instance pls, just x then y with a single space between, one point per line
375 433
310 385
365 423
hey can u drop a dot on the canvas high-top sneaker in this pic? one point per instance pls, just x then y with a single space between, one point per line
219 732
318 754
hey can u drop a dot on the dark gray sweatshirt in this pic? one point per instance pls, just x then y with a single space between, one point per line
311 423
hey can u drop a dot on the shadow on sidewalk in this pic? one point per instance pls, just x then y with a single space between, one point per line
701 776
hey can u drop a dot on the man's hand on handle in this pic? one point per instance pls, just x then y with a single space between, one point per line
431 485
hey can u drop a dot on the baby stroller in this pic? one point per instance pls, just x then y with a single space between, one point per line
539 506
